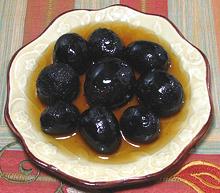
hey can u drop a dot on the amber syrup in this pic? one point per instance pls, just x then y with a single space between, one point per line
127 152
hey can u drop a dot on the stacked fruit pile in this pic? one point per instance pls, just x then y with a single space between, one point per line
111 70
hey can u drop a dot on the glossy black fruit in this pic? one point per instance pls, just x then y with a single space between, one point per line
139 125
104 42
109 82
145 56
57 82
99 128
161 91
72 49
59 119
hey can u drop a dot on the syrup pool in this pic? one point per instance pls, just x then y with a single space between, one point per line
127 152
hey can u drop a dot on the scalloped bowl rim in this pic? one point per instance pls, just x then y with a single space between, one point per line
92 182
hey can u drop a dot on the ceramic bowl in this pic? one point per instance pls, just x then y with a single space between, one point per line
95 175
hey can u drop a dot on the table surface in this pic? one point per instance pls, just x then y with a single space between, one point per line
199 20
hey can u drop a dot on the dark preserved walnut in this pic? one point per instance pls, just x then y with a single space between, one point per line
72 49
99 128
161 91
59 119
109 82
145 56
57 82
104 42
139 125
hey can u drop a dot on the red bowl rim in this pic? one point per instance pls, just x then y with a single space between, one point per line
174 166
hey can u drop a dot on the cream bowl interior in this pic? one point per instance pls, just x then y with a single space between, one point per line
26 60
